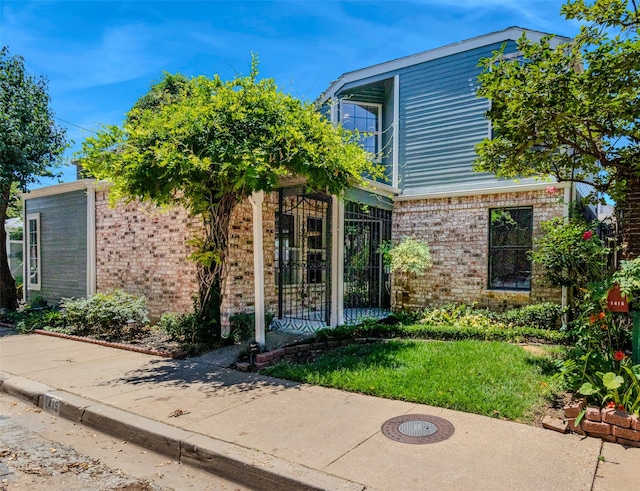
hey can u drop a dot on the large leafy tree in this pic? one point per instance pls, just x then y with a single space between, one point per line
207 144
571 111
30 146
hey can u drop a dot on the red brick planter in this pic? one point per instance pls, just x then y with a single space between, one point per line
268 358
608 424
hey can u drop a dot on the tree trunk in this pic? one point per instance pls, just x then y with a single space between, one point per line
8 294
630 220
212 267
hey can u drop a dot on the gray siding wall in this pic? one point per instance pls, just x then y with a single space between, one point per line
441 120
63 245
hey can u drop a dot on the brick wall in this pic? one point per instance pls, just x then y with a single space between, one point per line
142 249
457 231
239 293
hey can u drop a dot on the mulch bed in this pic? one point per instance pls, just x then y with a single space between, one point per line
153 344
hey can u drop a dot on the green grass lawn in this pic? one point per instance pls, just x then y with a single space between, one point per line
491 378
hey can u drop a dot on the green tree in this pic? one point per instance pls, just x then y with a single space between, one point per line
30 146
207 144
14 209
571 111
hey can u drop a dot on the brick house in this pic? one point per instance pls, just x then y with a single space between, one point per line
313 260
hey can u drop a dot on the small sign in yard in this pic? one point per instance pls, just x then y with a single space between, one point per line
616 302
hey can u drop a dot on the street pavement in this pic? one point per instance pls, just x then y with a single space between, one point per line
41 452
267 433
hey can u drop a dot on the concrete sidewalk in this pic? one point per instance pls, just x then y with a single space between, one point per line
273 434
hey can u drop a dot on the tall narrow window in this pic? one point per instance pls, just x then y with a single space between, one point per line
33 251
315 250
510 231
285 245
366 119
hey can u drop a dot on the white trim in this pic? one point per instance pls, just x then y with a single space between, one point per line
516 188
396 131
376 187
337 262
510 34
27 280
335 232
334 112
24 254
256 199
91 241
65 187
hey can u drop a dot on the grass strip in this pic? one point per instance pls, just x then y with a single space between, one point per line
490 378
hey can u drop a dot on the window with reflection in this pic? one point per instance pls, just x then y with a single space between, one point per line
33 251
510 240
366 119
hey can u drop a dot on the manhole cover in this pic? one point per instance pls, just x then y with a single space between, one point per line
417 428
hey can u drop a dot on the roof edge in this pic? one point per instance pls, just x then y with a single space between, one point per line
509 34
65 187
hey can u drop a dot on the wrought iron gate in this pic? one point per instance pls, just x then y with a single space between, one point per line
303 259
366 278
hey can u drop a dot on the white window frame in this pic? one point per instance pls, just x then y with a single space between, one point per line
31 285
378 133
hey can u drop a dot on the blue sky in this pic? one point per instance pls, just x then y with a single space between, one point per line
101 56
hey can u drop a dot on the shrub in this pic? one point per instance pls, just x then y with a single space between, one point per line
406 259
444 333
243 325
180 327
571 253
538 316
105 314
409 256
27 320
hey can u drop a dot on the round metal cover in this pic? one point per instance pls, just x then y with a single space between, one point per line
417 429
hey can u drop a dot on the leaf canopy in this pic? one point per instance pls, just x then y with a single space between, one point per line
569 110
30 141
197 139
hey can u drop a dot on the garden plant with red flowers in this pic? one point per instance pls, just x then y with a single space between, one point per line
599 367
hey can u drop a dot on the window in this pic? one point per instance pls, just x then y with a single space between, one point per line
33 251
315 250
285 243
510 231
300 249
366 119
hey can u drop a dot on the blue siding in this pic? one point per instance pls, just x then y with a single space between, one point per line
63 244
378 92
441 121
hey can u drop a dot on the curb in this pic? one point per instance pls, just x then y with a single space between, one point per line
248 467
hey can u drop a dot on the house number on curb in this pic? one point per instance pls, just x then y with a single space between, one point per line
52 404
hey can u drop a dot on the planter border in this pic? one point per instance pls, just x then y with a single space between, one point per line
608 424
176 355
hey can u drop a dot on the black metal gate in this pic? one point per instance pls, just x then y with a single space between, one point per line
366 277
303 259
